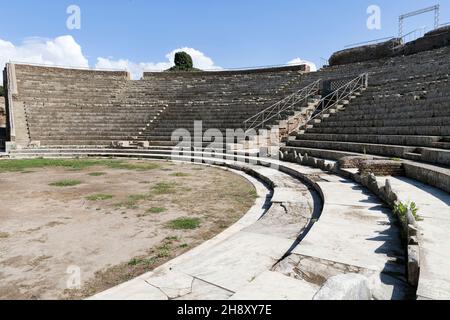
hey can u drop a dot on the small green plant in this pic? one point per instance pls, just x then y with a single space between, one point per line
4 235
97 174
180 174
132 201
65 183
184 224
156 210
253 193
164 188
401 210
99 197
163 252
171 239
141 261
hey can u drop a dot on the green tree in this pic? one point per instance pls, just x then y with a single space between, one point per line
183 62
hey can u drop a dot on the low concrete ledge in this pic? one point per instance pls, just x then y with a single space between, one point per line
432 175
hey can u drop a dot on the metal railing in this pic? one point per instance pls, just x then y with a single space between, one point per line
275 110
337 96
369 42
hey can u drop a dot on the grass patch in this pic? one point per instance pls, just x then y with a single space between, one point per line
96 174
156 210
145 166
180 174
65 183
133 200
164 188
141 261
99 197
74 164
4 235
171 239
252 193
184 224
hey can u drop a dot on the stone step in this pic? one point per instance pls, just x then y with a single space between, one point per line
393 130
435 156
440 121
407 140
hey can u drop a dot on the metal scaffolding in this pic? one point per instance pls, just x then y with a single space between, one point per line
435 8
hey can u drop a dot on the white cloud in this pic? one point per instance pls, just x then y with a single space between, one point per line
61 51
312 65
201 61
65 51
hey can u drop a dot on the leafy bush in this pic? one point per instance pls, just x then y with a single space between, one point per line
183 62
182 59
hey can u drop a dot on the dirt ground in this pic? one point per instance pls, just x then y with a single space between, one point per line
69 242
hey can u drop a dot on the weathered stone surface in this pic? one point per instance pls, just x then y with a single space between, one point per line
413 265
276 286
364 53
432 40
345 287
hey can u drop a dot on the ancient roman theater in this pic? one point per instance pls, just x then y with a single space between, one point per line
269 183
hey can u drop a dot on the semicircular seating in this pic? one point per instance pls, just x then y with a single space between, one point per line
400 122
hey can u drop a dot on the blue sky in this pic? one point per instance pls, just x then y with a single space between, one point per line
232 33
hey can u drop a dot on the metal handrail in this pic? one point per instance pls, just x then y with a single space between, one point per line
338 95
369 42
276 109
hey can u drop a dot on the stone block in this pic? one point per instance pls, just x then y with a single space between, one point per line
345 287
413 266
